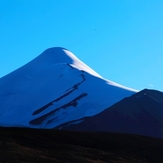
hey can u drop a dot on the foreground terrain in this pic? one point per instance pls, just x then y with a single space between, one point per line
34 145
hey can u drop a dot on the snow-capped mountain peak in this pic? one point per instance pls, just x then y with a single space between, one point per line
59 55
55 88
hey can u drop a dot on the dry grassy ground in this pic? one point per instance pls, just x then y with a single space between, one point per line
31 145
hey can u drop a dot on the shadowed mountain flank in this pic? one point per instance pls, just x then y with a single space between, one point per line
141 113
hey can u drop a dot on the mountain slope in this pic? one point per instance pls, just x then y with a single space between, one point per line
141 113
53 89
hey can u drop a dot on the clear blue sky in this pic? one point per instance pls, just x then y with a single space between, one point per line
122 40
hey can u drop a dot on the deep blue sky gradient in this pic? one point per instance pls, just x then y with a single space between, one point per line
122 40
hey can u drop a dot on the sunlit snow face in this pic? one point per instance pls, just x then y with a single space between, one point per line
80 65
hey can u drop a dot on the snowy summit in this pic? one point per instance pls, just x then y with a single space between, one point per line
55 88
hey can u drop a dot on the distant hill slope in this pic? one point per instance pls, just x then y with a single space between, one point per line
141 113
19 145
